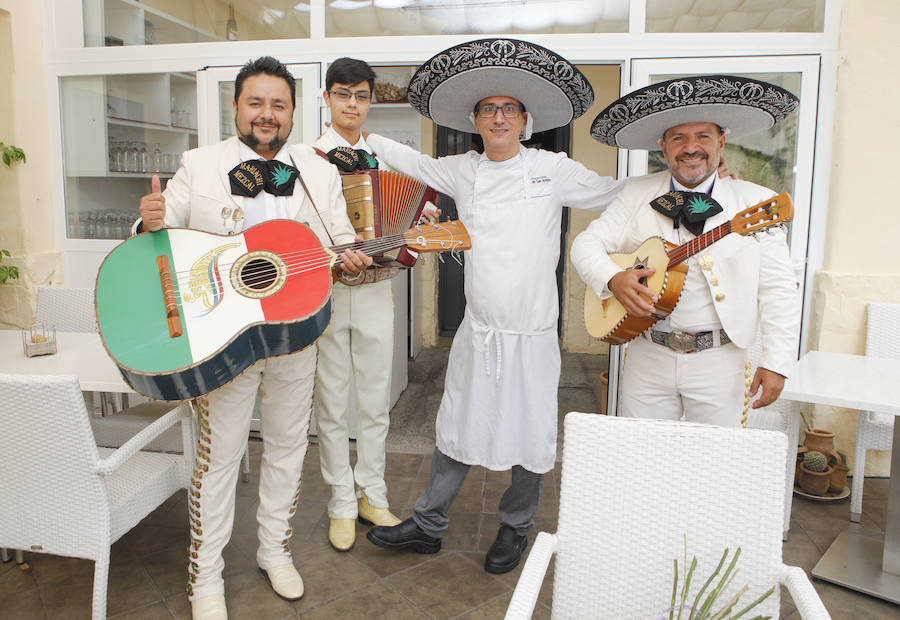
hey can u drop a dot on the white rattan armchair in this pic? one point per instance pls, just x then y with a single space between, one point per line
67 309
62 494
782 416
634 490
874 431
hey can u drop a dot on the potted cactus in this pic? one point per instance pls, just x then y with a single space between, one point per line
814 475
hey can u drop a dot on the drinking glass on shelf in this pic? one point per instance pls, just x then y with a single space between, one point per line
141 157
156 159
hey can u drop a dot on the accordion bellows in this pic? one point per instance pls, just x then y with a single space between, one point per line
381 203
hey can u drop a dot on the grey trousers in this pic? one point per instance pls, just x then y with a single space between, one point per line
517 506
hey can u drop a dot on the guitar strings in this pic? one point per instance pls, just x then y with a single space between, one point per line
315 258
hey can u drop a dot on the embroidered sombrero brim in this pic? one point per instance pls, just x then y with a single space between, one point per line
740 105
447 87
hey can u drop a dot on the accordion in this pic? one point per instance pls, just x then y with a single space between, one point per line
381 203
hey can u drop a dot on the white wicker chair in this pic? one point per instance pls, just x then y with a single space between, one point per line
782 416
874 431
67 309
634 490
62 494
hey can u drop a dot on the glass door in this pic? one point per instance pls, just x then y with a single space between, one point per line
780 158
216 93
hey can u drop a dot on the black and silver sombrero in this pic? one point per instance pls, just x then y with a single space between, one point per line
447 87
740 105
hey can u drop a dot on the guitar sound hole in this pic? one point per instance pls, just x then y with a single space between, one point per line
258 274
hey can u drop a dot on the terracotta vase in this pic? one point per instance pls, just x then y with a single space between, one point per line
820 440
814 482
838 479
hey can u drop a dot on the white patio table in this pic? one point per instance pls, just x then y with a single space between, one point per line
78 353
862 562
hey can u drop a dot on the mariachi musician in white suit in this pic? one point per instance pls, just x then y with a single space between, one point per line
225 188
357 348
693 364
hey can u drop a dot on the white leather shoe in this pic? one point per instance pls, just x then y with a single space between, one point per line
342 533
286 581
209 608
373 515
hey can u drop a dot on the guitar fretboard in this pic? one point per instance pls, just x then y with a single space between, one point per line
686 250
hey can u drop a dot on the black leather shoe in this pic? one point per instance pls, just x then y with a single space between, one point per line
505 553
406 535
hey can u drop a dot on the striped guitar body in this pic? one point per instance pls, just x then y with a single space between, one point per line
183 312
608 320
235 308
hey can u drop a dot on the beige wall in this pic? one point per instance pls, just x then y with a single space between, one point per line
26 201
863 216
602 160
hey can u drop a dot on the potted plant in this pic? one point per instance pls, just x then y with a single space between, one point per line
814 475
10 154
821 441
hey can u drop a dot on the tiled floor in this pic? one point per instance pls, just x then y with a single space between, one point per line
148 564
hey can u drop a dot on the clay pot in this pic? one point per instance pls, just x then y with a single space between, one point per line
814 482
820 440
838 479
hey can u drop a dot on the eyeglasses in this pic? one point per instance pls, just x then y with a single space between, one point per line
342 94
510 110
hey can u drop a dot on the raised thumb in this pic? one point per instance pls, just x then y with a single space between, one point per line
154 185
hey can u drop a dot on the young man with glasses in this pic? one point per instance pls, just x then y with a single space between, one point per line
499 407
357 348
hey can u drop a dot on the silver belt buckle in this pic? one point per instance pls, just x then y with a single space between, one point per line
680 341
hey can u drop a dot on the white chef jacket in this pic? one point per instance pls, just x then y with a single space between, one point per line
499 407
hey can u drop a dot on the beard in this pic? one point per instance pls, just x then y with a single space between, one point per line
696 177
254 143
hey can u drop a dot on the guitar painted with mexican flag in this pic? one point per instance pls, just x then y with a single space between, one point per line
183 312
607 318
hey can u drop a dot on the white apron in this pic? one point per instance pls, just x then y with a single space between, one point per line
499 407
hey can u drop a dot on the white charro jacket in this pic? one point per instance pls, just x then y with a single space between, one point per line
751 281
200 189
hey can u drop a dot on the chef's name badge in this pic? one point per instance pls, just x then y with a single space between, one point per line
540 186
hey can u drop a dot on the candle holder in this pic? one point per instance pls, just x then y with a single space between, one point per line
39 340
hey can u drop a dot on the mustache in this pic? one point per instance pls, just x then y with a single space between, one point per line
272 122
684 156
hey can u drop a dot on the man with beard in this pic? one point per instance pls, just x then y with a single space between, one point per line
225 188
693 364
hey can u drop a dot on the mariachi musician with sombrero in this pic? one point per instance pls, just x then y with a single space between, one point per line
693 363
499 407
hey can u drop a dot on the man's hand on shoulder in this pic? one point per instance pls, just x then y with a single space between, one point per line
725 172
631 293
771 382
153 207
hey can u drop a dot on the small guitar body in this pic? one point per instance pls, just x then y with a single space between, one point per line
607 318
183 312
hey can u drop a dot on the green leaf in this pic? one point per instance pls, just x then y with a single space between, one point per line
5 252
14 273
5 158
4 273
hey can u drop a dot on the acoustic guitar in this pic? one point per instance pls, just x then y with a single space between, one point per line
608 320
183 312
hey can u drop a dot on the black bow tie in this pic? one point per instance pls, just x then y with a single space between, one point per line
349 160
692 208
249 178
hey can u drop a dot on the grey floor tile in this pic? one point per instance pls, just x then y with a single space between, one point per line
13 579
328 575
448 587
249 595
374 602
155 611
23 605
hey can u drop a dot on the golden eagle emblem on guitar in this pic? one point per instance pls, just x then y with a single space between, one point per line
608 320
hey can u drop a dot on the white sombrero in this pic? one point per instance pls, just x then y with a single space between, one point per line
447 87
738 105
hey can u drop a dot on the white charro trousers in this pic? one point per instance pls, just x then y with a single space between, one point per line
707 387
359 343
285 387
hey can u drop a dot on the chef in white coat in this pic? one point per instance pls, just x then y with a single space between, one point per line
499 407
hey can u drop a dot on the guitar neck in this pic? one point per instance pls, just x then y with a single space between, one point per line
686 250
370 247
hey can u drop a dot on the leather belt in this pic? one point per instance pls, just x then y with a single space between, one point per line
686 342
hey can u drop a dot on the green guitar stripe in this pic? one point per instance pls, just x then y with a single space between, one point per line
130 309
